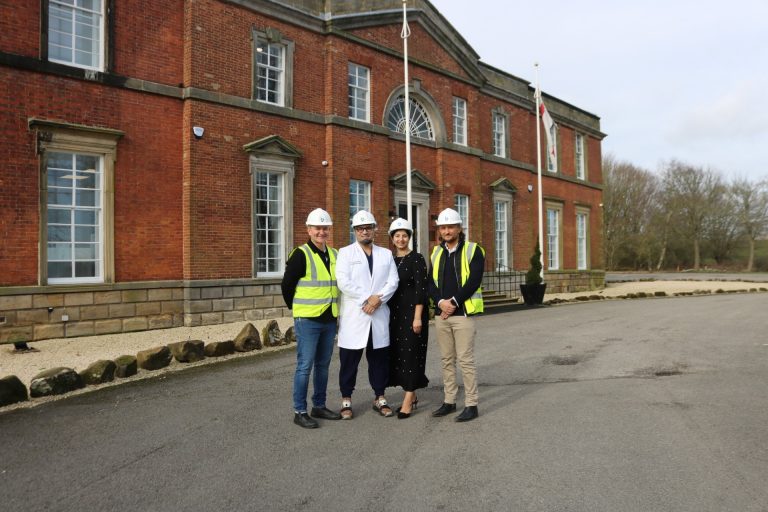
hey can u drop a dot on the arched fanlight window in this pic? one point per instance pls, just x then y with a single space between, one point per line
421 124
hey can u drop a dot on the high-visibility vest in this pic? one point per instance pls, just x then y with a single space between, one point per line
474 304
317 289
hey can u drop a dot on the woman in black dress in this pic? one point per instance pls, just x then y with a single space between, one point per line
408 320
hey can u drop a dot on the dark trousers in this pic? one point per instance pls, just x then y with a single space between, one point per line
378 368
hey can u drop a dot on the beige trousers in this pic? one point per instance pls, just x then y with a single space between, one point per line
456 338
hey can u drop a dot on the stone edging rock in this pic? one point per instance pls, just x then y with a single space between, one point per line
61 380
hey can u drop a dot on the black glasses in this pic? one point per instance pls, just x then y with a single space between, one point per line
363 228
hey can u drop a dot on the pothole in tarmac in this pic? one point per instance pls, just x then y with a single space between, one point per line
662 370
562 360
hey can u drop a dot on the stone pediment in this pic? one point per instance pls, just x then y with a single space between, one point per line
273 145
352 16
418 181
503 185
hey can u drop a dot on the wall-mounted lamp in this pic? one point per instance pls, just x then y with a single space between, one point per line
324 163
530 188
198 131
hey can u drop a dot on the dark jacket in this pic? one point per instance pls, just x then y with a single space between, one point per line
449 278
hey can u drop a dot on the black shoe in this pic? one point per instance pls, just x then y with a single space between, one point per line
468 414
303 420
444 410
325 413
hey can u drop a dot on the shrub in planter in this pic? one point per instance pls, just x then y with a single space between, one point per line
534 287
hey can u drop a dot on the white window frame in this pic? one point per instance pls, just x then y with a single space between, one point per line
582 240
272 237
554 236
459 121
75 176
421 124
499 134
361 191
461 202
77 32
272 73
581 170
284 169
500 230
359 90
504 255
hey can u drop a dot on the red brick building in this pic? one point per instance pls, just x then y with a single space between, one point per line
159 158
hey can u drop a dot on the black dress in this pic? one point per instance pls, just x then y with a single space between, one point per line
408 350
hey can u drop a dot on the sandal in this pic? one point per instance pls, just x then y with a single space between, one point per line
346 409
380 405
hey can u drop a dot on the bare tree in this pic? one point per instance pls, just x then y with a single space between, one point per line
629 199
692 194
722 226
751 204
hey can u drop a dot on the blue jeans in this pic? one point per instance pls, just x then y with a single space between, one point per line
314 347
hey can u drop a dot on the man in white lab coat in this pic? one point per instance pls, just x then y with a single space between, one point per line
367 278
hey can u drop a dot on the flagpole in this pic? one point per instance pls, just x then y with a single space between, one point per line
404 34
538 171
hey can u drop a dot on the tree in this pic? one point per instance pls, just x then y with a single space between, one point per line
722 227
751 205
630 201
692 195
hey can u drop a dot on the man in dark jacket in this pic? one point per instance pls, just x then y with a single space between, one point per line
455 288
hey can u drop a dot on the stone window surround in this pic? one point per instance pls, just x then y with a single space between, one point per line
273 36
285 167
415 92
57 136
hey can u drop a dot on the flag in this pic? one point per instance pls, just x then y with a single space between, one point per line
549 131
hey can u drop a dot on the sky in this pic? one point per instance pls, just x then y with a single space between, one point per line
669 79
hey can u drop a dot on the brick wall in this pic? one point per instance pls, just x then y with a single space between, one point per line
183 206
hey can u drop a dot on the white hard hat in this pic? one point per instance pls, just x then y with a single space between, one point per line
319 217
398 224
448 217
363 218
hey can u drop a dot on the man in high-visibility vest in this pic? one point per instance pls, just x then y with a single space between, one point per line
455 287
309 289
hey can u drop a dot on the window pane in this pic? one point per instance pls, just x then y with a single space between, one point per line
86 234
87 198
57 216
85 251
59 233
85 269
85 217
59 269
59 252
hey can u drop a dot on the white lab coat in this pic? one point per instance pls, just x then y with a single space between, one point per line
356 284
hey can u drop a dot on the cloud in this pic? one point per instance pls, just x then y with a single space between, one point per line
741 112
